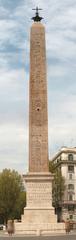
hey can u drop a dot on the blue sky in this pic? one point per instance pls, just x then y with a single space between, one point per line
60 23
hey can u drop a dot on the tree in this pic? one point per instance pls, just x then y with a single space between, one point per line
20 205
12 195
58 186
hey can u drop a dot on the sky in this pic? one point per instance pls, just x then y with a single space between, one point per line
60 26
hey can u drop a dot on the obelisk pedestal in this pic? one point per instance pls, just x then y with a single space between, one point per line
39 216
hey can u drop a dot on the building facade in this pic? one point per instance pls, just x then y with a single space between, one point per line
65 159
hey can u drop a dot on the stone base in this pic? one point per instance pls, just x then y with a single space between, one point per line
39 229
39 217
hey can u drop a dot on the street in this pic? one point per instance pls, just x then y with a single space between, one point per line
61 237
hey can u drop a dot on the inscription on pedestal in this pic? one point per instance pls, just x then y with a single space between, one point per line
39 194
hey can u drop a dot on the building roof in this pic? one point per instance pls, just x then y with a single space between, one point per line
64 150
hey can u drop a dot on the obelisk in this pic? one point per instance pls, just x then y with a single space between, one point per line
39 180
39 216
38 118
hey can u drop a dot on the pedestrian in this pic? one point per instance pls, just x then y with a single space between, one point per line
10 227
67 225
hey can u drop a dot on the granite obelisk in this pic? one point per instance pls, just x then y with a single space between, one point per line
39 216
38 118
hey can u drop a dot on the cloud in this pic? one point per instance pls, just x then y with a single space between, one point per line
13 119
13 146
62 124
14 98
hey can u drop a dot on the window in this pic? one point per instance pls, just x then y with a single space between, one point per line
70 168
71 186
70 157
65 206
70 197
70 207
57 160
71 217
70 176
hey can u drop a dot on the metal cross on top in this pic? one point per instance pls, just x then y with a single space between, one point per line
37 18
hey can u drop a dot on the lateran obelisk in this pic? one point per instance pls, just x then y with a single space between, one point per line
39 214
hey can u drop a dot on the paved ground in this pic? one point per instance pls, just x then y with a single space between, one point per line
63 237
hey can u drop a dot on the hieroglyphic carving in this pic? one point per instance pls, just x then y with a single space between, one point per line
38 102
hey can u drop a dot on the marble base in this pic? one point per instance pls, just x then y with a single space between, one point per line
42 229
39 217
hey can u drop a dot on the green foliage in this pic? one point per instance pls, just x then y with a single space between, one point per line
58 188
58 185
52 167
20 205
12 194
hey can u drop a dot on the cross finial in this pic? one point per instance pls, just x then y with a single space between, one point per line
37 18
